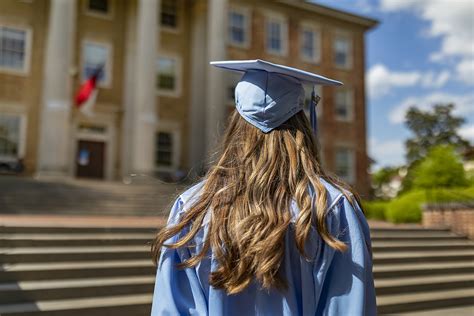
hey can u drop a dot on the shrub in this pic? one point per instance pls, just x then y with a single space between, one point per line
375 209
407 207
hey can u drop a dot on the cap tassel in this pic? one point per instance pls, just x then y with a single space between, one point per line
312 111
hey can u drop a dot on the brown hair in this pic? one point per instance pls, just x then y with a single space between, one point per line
248 192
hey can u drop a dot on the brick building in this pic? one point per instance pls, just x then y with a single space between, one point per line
161 106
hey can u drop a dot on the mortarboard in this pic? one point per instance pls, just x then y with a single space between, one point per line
269 94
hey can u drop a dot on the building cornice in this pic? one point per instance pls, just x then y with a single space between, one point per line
365 22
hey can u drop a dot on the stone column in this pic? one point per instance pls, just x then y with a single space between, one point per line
199 66
216 78
140 118
55 131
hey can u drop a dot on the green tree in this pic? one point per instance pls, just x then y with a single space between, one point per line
441 168
429 129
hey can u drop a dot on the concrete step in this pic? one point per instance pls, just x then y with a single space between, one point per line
407 230
423 283
41 290
398 303
422 235
52 254
422 257
120 305
72 240
75 270
422 269
386 246
71 229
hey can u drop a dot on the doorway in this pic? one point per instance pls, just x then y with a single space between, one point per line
90 158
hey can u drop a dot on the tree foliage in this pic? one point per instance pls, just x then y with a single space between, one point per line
441 168
429 129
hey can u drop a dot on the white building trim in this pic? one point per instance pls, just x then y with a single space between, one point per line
247 14
272 16
316 29
176 92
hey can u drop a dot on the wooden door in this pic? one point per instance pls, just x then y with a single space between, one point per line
90 159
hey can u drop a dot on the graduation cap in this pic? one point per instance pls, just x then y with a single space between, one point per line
269 94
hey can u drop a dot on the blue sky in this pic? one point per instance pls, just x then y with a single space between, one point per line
421 53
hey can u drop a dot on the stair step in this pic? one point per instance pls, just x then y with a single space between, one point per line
75 229
407 230
51 254
419 269
397 303
74 270
23 291
423 283
425 256
72 240
137 304
381 246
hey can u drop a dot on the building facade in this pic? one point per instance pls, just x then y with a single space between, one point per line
161 108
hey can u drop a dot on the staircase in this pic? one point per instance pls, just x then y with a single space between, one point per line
31 196
108 271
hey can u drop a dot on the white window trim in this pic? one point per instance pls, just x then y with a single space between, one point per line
28 46
174 129
277 17
178 88
107 16
352 162
350 103
21 138
315 28
107 84
247 13
169 29
349 37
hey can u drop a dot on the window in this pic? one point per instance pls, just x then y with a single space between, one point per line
167 75
164 149
342 51
276 29
99 6
96 55
239 21
169 14
10 127
310 43
344 107
345 164
14 49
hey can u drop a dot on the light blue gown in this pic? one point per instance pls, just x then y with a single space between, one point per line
334 284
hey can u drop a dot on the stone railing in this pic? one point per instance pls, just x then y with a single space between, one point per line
458 217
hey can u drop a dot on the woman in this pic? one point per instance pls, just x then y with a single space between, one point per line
267 231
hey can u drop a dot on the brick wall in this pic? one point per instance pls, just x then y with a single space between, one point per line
457 217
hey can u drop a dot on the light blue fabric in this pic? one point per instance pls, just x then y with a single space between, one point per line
334 284
269 94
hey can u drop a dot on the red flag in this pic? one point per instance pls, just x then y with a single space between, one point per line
87 94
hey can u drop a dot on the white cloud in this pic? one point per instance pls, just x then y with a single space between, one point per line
387 152
451 21
463 104
467 132
381 81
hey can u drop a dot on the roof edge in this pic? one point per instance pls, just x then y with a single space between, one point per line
366 22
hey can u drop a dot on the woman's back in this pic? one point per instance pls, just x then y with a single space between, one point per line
332 283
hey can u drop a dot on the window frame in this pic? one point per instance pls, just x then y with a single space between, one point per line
25 70
349 61
352 164
172 128
350 103
247 14
168 28
283 20
176 92
21 137
317 42
318 89
96 14
106 84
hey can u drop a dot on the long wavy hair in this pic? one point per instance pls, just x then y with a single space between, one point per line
248 192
